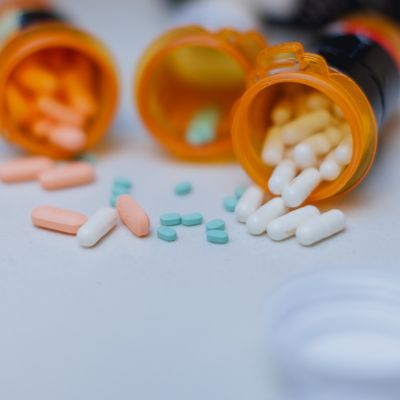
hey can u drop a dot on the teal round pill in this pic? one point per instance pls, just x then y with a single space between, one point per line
239 192
230 203
114 199
118 190
192 219
171 219
217 236
167 234
216 224
122 182
183 188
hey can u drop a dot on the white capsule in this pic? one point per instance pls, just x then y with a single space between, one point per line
316 101
344 151
282 112
304 156
334 135
97 227
305 125
329 168
273 148
283 174
285 227
250 201
258 221
321 227
297 192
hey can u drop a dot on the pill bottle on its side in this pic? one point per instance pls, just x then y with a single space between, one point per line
32 30
187 69
357 67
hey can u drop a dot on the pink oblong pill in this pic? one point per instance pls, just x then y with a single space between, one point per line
73 174
133 216
25 169
57 219
68 138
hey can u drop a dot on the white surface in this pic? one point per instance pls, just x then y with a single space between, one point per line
144 319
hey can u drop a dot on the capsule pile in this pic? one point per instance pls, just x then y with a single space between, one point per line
51 98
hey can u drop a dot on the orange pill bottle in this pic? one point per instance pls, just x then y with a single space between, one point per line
52 74
187 69
356 65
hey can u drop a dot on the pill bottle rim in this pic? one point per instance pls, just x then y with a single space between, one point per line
306 308
344 92
52 35
188 36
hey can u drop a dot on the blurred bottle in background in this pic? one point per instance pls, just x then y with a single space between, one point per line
336 335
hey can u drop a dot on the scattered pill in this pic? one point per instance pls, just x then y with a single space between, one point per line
337 111
133 216
282 175
57 219
36 78
334 135
314 101
167 234
24 169
239 191
183 188
258 221
297 192
217 236
321 227
282 112
74 174
170 219
230 203
273 148
216 224
68 138
285 226
304 126
249 203
122 182
192 219
97 226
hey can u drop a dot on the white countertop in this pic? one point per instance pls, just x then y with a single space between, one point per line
144 319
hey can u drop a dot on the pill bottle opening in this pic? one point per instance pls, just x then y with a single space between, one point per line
253 121
60 91
340 331
186 94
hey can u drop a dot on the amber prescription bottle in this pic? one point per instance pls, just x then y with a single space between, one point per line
185 70
356 66
31 34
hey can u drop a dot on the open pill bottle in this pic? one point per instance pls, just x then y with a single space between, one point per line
356 67
191 71
58 83
335 335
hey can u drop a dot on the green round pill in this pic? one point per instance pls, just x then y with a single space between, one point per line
216 224
122 182
239 192
167 234
192 219
171 219
217 236
230 203
183 188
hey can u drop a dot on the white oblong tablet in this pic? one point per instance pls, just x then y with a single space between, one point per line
250 201
283 174
97 226
321 227
285 226
258 221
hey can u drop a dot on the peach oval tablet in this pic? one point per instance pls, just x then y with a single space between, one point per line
68 138
57 219
70 175
133 216
25 169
